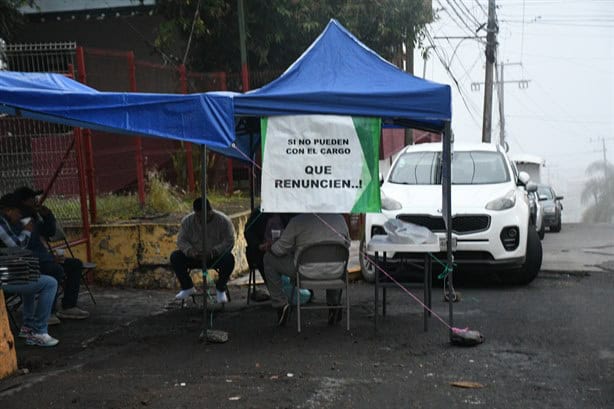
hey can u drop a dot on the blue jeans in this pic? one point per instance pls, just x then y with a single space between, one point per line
36 312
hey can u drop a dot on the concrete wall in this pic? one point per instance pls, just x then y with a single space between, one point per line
136 254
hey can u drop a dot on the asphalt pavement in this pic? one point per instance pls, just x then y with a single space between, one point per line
547 345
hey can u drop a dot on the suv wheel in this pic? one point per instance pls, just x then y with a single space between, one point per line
542 232
366 266
533 262
557 227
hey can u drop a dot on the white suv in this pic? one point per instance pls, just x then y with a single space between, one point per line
490 208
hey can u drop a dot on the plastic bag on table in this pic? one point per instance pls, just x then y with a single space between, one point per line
408 233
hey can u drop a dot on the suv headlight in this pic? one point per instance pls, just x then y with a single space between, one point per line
389 203
506 202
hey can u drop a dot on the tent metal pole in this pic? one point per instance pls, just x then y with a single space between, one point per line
203 220
252 174
447 213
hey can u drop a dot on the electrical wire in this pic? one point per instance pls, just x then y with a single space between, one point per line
452 76
458 20
466 12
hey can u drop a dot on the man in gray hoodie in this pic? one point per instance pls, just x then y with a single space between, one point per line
218 248
302 231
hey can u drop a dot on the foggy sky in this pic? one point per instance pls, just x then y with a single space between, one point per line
566 48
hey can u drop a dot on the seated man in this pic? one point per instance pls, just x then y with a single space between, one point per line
218 248
37 296
301 231
254 237
66 271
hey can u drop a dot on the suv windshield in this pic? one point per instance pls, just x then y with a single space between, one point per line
468 168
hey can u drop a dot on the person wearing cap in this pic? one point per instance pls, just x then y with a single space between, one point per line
66 271
218 248
37 296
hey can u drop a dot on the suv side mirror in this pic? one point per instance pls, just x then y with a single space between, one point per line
531 187
559 198
381 179
523 178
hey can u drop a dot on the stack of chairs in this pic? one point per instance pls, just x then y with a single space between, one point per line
17 266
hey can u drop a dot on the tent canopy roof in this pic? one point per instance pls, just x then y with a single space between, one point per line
336 75
199 118
339 75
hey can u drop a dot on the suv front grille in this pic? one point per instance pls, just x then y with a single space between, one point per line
461 224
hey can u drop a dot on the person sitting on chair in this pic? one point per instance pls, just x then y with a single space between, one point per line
259 230
66 271
254 236
280 259
219 243
37 296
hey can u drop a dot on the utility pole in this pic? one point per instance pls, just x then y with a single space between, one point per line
500 90
244 69
491 49
605 161
500 84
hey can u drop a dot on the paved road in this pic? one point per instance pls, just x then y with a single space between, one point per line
548 345
580 247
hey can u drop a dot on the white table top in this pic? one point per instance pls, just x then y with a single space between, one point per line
381 243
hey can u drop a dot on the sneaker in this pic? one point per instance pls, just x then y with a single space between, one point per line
221 296
282 315
74 313
183 294
41 340
24 332
53 320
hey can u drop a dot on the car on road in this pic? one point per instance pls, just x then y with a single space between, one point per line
490 208
537 214
552 207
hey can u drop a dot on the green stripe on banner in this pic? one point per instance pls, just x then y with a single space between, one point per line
368 131
264 122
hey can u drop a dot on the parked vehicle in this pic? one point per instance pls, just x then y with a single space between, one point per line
490 207
552 207
537 214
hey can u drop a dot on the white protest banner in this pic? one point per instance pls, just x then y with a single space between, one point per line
320 163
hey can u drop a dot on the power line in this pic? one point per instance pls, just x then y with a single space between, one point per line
465 10
462 25
452 76
482 8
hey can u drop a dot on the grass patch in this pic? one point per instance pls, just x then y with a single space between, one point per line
162 202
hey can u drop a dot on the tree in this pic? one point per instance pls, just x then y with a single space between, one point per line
599 193
279 30
10 17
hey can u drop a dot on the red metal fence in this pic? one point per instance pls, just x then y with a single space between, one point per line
45 155
72 164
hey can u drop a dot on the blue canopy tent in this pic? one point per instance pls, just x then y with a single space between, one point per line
339 75
336 75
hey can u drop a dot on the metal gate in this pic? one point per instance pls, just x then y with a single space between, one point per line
44 155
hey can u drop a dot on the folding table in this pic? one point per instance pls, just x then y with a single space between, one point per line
381 244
